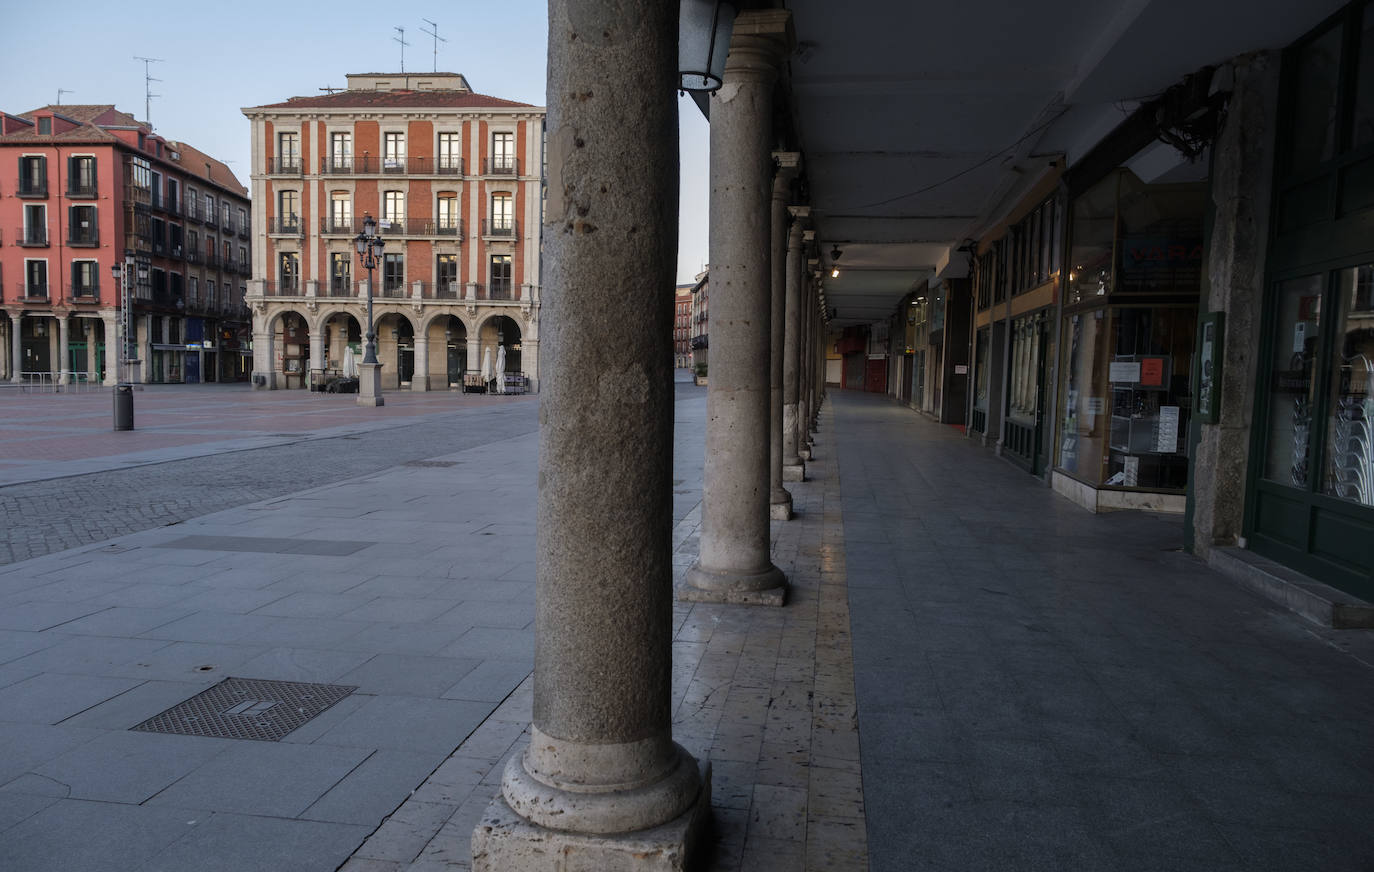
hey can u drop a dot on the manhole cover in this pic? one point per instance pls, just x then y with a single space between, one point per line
247 708
431 464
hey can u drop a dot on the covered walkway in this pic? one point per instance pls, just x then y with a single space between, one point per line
1040 687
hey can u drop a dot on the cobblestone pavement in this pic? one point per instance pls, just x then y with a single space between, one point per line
38 518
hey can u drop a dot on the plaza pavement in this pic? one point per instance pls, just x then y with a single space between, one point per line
1026 686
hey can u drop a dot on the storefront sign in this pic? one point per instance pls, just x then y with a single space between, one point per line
1209 366
1166 437
1124 372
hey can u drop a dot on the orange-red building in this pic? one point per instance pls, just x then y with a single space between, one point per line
453 178
93 187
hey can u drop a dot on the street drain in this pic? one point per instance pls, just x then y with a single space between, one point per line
247 708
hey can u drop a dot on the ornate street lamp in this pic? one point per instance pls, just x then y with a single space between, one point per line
370 247
704 29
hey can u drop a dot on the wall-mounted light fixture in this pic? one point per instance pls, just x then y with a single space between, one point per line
704 28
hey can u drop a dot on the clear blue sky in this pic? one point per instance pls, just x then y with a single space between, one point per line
219 59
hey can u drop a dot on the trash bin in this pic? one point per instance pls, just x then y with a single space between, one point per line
124 407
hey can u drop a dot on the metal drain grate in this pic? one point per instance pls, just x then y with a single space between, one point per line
431 464
247 708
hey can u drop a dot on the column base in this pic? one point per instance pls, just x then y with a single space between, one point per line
370 385
794 471
780 505
804 453
767 588
504 840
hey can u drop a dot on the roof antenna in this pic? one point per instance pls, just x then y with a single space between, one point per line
60 92
402 40
148 94
437 39
330 89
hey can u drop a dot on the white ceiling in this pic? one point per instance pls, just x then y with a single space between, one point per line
921 123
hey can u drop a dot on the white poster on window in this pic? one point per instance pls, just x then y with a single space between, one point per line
1132 471
1124 371
1166 438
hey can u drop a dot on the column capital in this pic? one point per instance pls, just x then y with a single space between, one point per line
800 213
788 162
760 41
810 236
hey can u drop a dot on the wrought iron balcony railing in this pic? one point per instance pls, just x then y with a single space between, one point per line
500 166
500 228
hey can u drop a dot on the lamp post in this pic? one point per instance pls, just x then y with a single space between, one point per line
370 247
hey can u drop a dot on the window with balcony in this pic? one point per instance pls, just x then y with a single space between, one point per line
500 284
243 259
192 291
173 195
159 234
447 213
36 279
340 274
174 240
288 271
155 189
140 174
243 221
503 152
193 203
288 211
81 181
209 209
228 253
446 276
393 211
226 215
340 151
33 176
35 232
501 222
393 273
450 161
85 279
340 212
209 295
288 152
393 152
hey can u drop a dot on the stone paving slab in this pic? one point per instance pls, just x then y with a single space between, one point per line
1040 687
765 694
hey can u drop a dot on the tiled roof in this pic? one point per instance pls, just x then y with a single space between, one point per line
93 118
397 100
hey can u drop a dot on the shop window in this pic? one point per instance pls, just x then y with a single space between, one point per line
1292 387
1348 469
1093 235
1084 414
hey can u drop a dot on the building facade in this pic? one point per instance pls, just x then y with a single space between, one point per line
454 180
699 322
96 188
682 327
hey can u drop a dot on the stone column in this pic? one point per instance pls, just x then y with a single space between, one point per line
64 364
110 323
16 348
474 352
602 785
264 356
419 380
793 469
779 500
734 564
1241 190
317 361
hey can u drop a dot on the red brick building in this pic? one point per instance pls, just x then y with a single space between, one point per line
454 180
682 326
93 186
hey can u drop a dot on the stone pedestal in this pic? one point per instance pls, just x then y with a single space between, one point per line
735 564
602 785
370 385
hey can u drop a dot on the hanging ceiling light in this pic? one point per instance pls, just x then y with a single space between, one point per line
835 254
704 28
